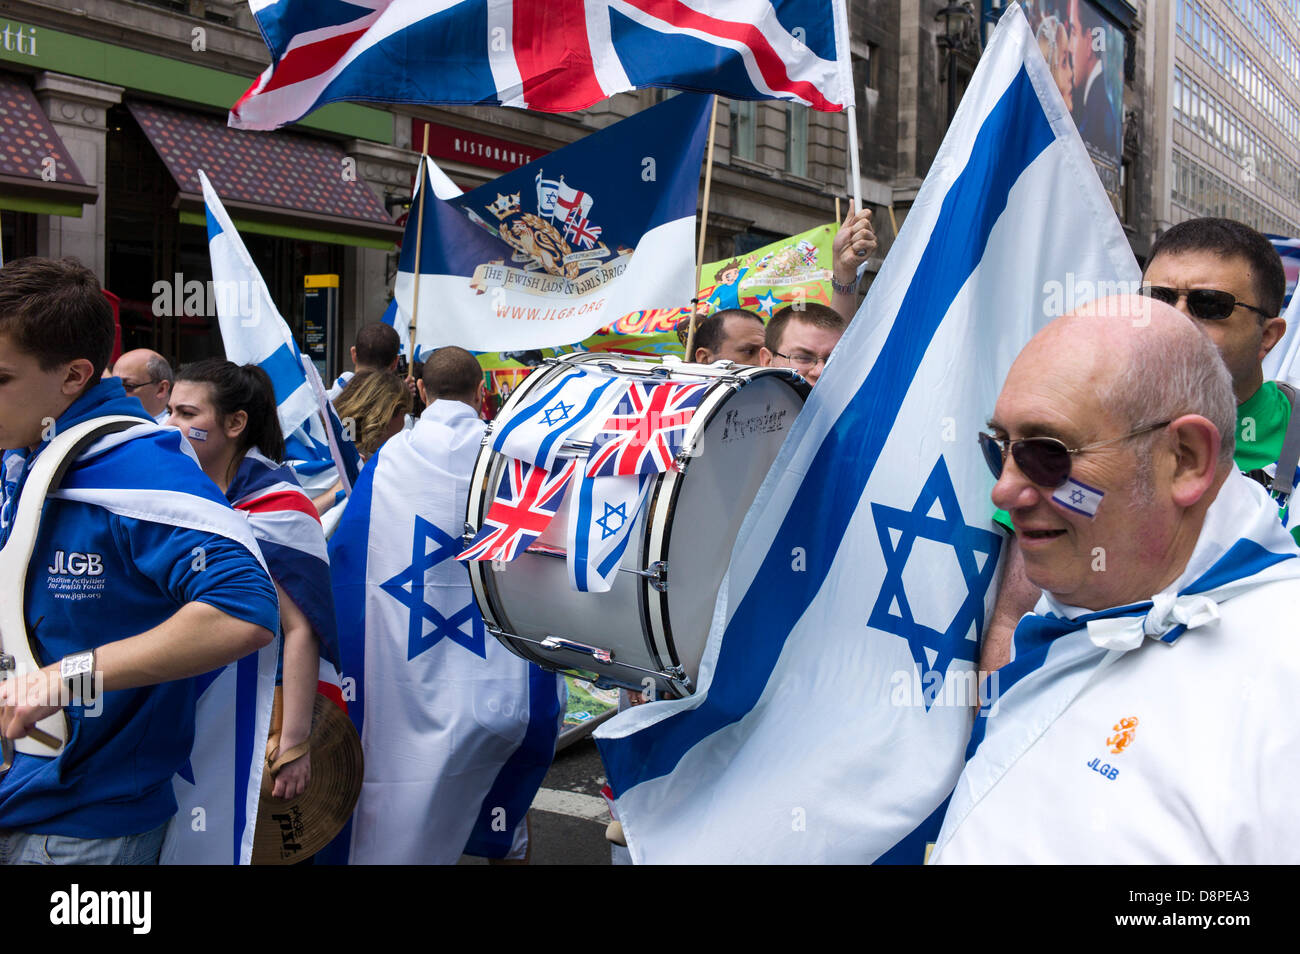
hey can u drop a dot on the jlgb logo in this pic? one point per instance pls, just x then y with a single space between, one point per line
76 564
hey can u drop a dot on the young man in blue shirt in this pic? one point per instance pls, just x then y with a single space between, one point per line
140 571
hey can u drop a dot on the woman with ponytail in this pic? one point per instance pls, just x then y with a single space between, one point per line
229 414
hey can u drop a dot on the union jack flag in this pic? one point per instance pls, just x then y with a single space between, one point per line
582 232
526 501
557 55
646 430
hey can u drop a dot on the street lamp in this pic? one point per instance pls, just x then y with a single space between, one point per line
958 21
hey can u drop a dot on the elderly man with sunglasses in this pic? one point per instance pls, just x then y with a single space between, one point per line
1149 712
1229 279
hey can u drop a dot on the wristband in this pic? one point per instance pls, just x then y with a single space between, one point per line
842 288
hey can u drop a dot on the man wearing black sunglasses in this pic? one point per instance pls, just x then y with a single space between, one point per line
1230 280
1150 713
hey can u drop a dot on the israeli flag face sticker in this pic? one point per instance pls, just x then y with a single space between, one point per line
198 434
1079 497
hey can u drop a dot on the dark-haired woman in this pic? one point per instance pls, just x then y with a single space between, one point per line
228 412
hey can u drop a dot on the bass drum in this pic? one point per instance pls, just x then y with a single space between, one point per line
648 631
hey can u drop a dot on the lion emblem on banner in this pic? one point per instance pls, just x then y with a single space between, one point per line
533 236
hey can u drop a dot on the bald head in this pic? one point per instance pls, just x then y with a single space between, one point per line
1144 360
146 375
1143 405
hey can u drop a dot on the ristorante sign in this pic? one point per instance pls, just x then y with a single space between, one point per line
486 152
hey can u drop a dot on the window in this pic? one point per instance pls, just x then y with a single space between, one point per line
744 119
796 139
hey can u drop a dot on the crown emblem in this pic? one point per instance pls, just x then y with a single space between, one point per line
505 206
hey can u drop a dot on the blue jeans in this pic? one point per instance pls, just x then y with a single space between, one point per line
24 848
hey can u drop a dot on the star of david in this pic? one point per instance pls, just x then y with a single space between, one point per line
606 522
407 588
558 413
1076 497
951 529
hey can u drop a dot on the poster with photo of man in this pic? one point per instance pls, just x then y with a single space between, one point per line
1085 52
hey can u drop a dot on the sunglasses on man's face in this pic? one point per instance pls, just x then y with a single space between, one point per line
1043 460
1209 304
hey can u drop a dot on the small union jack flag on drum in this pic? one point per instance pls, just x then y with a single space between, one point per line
525 504
646 430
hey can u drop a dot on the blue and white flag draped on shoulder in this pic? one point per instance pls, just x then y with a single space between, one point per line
835 692
457 731
1061 651
513 266
170 492
252 332
1283 362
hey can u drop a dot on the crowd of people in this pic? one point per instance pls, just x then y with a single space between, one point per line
1155 402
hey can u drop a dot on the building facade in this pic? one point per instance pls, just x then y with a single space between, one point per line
115 104
1227 75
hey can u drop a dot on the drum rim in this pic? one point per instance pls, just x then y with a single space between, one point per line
673 480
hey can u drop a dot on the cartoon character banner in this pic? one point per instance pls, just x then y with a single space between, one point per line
793 269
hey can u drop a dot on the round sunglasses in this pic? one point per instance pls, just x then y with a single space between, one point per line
1209 304
1044 460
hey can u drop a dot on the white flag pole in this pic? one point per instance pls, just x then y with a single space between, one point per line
842 46
704 224
419 237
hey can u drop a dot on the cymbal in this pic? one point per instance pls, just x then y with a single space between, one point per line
291 830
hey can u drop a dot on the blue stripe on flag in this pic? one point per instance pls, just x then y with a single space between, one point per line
582 538
214 227
452 65
517 783
245 723
347 551
1011 138
285 371
1245 558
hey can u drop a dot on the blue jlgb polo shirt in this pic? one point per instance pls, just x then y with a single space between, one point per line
96 577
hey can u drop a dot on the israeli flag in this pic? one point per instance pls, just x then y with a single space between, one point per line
252 332
457 731
837 687
1283 362
607 508
537 431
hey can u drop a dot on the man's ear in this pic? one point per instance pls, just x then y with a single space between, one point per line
235 423
419 387
703 356
1196 458
392 367
1273 331
353 352
765 358
77 377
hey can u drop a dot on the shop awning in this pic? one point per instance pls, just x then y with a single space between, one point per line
280 183
37 173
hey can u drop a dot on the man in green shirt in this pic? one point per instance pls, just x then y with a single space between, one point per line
1229 279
